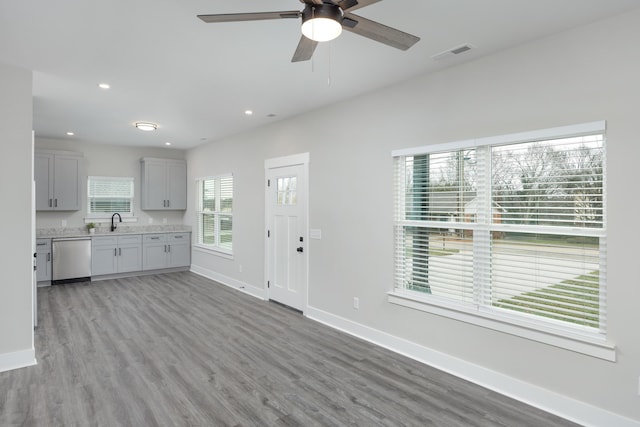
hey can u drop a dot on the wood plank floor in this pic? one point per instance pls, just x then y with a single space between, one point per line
178 349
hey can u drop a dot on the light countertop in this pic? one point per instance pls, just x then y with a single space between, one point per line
50 233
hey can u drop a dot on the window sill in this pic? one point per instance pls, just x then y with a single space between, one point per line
104 219
213 251
536 331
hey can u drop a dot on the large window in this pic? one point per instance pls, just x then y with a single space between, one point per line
511 228
108 195
215 212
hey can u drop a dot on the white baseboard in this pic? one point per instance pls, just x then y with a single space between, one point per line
563 406
17 359
230 282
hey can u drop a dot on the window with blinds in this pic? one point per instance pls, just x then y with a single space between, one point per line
215 212
508 226
108 195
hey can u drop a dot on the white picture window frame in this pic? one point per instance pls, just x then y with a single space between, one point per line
476 232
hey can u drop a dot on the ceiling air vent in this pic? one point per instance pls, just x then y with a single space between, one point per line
452 52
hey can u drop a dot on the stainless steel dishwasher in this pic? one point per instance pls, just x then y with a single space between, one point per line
71 259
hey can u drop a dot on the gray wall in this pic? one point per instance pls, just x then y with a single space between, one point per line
108 160
16 177
584 75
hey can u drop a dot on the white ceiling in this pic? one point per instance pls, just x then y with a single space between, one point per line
195 80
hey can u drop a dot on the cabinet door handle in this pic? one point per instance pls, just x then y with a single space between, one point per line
50 203
165 248
56 203
169 246
48 256
168 203
120 251
115 251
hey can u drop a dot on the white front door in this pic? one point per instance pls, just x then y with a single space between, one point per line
286 207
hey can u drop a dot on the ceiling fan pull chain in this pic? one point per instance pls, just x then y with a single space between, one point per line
329 77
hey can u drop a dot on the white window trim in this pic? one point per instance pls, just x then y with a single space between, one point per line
571 338
513 325
101 217
213 250
201 247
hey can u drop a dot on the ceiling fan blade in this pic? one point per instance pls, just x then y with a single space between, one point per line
311 1
349 5
305 50
259 16
378 32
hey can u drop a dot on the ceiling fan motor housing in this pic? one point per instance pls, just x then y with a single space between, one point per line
325 10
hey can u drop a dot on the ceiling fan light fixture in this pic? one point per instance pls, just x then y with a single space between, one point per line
147 127
321 23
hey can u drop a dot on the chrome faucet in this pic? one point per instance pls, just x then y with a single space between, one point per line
113 225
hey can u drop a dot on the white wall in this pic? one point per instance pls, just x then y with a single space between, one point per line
16 255
108 160
587 74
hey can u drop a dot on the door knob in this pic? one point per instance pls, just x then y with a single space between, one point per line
300 249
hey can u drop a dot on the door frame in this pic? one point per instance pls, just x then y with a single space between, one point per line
301 159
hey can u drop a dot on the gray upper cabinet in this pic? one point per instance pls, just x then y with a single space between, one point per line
163 184
58 180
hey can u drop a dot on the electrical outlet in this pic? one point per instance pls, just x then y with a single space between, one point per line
356 303
150 220
240 268
164 220
64 223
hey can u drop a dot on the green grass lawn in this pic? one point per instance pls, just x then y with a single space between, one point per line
561 301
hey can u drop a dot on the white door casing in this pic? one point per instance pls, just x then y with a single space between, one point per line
286 208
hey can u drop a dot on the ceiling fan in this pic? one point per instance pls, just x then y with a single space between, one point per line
324 20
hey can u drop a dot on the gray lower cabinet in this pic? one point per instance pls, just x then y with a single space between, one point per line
166 250
116 254
43 260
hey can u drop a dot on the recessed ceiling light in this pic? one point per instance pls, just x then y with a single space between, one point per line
271 115
248 112
104 85
167 143
145 126
70 133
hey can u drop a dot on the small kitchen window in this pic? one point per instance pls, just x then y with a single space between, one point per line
107 195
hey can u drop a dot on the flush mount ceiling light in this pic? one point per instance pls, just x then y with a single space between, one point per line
248 112
147 127
104 86
322 23
70 133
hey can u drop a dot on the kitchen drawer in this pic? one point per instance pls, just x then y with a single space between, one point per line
43 245
104 241
129 239
179 237
155 238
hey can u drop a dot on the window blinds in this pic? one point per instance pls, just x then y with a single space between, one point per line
215 212
107 195
509 228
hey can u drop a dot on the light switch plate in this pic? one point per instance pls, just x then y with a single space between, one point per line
315 233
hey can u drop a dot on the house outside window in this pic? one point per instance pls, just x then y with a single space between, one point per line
215 213
510 228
